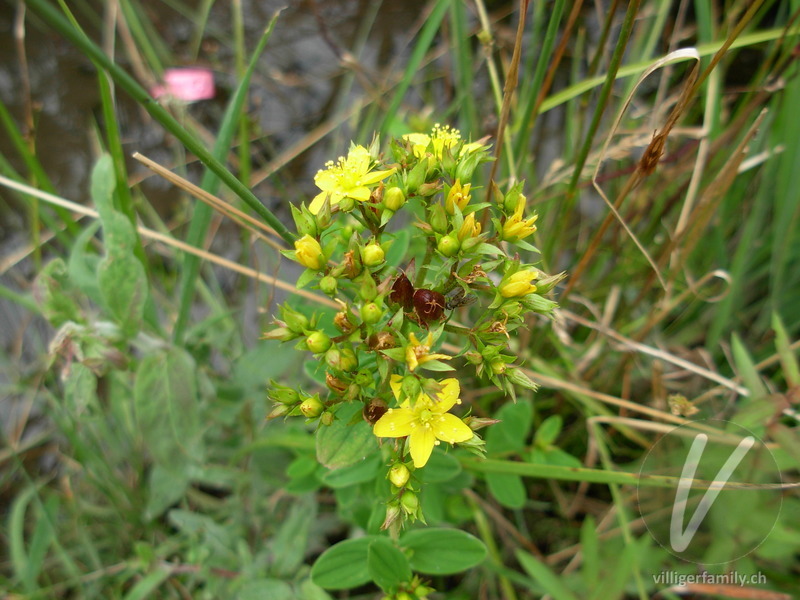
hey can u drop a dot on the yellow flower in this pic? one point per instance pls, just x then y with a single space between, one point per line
516 226
309 253
457 196
350 177
519 284
442 137
426 422
469 229
418 353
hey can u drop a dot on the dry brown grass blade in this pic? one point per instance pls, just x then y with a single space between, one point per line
172 242
230 211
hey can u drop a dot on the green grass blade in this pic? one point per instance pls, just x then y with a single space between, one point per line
210 183
53 18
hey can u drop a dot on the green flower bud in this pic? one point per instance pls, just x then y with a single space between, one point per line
326 418
323 217
282 394
449 245
438 218
371 313
411 387
333 357
369 289
469 243
409 502
348 361
399 475
372 255
311 407
295 321
416 177
394 198
318 342
466 167
304 221
363 378
328 285
347 204
498 367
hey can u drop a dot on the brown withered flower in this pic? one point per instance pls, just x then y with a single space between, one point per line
374 410
402 292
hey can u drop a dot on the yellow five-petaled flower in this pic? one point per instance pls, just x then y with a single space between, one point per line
425 422
350 177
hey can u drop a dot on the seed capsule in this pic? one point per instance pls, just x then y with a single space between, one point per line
429 305
374 410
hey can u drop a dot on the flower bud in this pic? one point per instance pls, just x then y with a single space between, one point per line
393 199
308 253
438 218
371 313
282 394
416 176
369 289
351 264
466 166
449 245
469 243
409 502
304 221
512 200
469 229
311 407
323 216
411 387
363 378
519 284
458 195
347 204
498 366
318 342
280 410
476 423
328 285
296 321
348 361
327 418
372 255
399 475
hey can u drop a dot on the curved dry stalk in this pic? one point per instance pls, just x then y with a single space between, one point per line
170 241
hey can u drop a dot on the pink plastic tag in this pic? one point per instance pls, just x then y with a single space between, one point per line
187 84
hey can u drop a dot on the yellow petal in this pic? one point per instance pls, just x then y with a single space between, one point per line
450 428
448 396
326 180
421 443
396 422
317 202
376 176
361 193
396 382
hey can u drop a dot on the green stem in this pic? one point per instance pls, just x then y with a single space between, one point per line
53 18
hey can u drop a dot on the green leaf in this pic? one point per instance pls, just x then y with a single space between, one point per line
341 444
788 360
512 432
544 576
548 431
746 369
362 471
440 467
439 551
305 278
123 286
148 584
508 490
288 545
387 565
165 487
343 565
166 405
51 289
103 182
398 251
590 550
259 589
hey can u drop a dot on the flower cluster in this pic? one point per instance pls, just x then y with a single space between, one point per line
411 306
